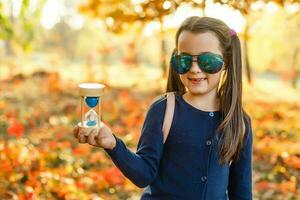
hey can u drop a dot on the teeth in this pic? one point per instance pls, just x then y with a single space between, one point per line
197 79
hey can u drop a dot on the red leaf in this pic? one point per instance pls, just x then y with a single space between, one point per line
16 129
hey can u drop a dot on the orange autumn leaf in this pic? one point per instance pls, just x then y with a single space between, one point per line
293 162
52 144
7 150
287 186
33 179
11 113
6 166
97 157
59 145
28 196
113 176
262 185
81 185
131 120
54 84
119 129
59 135
81 150
124 94
99 180
65 144
2 104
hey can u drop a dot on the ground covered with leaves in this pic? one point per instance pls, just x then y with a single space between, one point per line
40 159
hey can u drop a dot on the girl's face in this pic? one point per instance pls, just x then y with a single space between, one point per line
195 80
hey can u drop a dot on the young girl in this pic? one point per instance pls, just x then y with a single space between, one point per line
208 152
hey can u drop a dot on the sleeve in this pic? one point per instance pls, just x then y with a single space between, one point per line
142 167
240 177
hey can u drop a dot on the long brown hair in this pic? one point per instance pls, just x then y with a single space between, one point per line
232 127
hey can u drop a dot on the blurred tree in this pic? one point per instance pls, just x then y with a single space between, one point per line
277 53
62 38
245 8
6 32
19 29
294 19
295 70
118 14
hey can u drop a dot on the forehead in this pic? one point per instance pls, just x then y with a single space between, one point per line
196 43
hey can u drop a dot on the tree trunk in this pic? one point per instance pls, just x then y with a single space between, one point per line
163 50
295 71
246 57
8 48
203 6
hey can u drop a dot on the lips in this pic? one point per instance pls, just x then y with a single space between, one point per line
196 80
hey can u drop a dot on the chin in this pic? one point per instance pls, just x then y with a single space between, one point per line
198 91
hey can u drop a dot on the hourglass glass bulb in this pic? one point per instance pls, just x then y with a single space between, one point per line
91 118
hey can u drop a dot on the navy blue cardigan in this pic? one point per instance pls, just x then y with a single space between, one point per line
186 166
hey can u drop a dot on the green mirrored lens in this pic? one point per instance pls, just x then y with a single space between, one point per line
210 63
185 63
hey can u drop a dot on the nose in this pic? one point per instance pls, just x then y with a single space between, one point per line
195 67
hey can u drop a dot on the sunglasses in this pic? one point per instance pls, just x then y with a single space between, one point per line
208 62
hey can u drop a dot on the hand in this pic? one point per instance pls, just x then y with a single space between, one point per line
102 137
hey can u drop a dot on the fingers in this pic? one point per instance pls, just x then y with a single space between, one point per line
82 136
99 136
75 131
87 136
92 138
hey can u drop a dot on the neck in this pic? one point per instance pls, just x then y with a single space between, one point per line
207 102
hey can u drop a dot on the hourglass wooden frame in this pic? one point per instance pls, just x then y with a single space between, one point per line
90 97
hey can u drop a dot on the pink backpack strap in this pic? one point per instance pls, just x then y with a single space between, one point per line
168 114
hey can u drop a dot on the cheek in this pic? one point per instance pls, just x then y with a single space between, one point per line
214 78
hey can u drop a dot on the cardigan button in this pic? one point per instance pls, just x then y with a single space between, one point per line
203 178
208 142
211 114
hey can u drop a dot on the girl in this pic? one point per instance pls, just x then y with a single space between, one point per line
208 153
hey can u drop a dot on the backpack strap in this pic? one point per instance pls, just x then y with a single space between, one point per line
168 118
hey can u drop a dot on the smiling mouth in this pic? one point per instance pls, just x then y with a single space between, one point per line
196 80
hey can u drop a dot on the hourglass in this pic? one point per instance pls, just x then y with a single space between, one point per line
90 99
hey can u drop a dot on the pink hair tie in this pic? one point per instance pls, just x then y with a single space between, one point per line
232 32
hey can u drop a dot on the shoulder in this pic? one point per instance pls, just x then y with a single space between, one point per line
156 111
158 103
